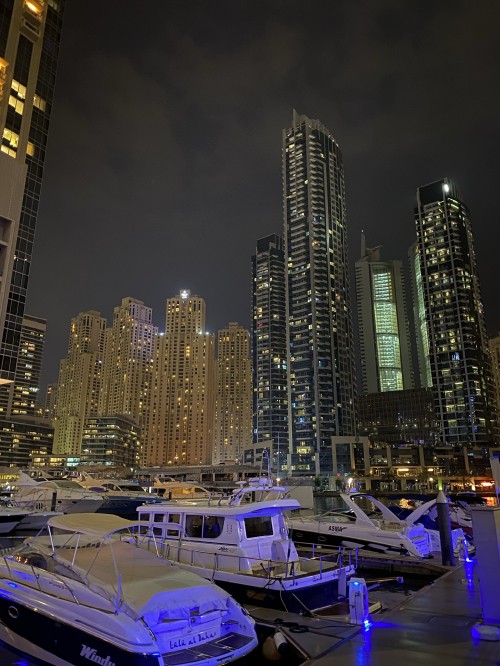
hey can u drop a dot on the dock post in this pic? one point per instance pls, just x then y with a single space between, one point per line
486 528
444 524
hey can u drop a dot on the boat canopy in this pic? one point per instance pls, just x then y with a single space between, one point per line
91 524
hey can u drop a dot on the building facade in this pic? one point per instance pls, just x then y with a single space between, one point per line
127 362
30 34
459 355
270 401
110 440
384 331
233 397
180 427
19 398
79 385
321 370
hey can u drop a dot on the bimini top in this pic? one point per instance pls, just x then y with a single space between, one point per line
90 524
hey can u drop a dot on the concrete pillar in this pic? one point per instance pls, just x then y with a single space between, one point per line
486 529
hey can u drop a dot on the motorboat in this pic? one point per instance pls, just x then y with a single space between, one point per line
14 518
61 495
241 542
426 514
10 516
85 592
370 527
121 497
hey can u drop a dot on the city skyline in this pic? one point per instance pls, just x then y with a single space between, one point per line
168 175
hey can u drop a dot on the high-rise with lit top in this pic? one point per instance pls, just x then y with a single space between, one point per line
181 404
460 363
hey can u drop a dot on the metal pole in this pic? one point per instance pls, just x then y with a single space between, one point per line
444 524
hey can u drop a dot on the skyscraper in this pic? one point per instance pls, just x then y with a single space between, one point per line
270 405
29 43
321 380
384 332
79 384
233 398
181 403
128 354
458 345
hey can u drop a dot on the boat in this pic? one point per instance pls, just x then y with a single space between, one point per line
10 516
373 528
241 542
14 518
84 592
181 490
61 495
121 497
426 514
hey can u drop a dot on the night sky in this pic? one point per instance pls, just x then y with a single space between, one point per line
164 159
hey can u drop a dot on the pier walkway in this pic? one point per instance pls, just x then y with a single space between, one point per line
431 627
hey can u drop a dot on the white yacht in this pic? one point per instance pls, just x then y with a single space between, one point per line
374 527
241 542
180 490
86 592
59 495
121 497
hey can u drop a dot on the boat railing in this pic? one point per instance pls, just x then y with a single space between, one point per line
34 580
224 560
34 577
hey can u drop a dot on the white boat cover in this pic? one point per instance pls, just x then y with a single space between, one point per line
149 586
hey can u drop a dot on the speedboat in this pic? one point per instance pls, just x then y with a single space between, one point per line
373 528
426 514
241 542
85 592
61 495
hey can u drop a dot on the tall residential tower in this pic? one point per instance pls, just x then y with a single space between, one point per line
233 396
459 355
321 380
181 404
270 407
79 385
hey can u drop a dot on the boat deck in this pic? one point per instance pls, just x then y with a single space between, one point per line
433 626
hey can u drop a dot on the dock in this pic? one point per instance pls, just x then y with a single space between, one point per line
432 626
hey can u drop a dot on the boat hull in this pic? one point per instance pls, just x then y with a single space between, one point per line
294 600
60 643
339 539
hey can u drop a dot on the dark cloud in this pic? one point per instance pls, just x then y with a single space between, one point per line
164 158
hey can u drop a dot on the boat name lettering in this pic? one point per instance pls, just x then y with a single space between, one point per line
224 548
191 640
91 654
335 528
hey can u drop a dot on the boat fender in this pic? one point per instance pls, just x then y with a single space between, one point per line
275 647
280 642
